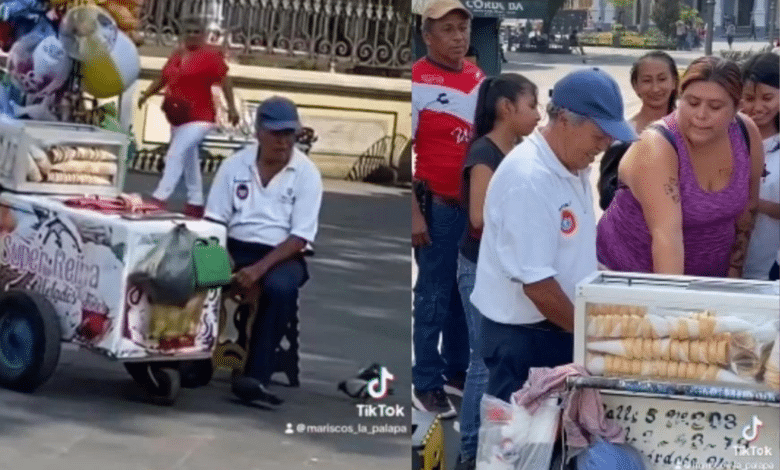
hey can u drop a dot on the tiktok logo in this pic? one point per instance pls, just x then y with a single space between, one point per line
378 387
750 432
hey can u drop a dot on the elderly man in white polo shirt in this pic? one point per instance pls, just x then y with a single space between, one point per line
539 237
269 196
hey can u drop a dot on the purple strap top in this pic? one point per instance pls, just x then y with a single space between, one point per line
709 217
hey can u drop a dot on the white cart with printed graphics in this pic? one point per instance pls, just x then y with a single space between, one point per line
64 277
688 366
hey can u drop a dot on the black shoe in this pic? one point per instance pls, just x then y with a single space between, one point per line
434 401
468 464
456 385
249 389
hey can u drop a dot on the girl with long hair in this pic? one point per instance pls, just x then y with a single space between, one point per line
760 102
655 79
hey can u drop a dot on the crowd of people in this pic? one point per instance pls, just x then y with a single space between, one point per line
690 35
503 210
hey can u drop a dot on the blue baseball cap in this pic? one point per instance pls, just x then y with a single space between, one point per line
278 114
594 94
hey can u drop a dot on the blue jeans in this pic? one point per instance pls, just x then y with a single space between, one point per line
509 352
477 376
277 306
437 307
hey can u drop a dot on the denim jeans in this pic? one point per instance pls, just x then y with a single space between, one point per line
477 375
509 352
437 306
278 305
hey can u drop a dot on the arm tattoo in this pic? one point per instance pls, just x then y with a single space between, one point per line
672 189
744 228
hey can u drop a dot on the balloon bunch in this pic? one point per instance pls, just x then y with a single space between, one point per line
56 54
126 13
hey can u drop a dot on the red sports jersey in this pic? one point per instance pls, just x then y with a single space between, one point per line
443 105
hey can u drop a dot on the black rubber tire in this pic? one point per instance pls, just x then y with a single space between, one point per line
196 373
30 338
161 380
140 372
167 385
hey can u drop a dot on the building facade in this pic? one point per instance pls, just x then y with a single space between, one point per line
602 13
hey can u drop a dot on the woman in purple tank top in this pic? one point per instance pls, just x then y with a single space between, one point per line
688 189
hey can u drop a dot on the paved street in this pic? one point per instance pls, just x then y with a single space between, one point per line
545 70
354 311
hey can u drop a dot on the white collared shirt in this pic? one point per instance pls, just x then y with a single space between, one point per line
765 237
288 205
539 223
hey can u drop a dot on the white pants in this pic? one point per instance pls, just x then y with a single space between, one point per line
184 157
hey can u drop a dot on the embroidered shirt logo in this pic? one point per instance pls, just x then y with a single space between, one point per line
568 222
242 191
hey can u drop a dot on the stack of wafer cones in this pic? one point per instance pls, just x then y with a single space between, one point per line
637 341
772 375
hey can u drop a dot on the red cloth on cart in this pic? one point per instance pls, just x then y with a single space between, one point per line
123 204
583 414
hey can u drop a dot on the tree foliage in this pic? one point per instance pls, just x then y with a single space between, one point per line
624 4
552 8
690 15
665 15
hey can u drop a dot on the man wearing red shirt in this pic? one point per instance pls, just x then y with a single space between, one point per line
188 76
444 97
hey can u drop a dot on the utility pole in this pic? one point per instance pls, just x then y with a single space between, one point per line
710 27
772 21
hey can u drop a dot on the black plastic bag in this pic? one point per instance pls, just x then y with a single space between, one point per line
167 274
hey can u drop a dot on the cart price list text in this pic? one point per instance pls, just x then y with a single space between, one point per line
701 435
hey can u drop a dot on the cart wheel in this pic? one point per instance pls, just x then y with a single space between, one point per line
141 372
29 340
167 385
196 373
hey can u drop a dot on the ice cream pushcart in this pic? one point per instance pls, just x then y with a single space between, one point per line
687 365
65 269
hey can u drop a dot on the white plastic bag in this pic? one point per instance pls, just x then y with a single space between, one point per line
510 438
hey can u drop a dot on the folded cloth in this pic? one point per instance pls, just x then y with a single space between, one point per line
123 204
583 415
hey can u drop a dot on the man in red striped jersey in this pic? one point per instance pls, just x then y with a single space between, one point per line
444 98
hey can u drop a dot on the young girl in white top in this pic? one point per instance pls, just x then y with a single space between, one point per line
760 102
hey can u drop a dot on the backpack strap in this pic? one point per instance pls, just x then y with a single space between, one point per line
664 131
745 132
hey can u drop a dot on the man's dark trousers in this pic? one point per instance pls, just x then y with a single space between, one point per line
437 306
278 304
511 350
